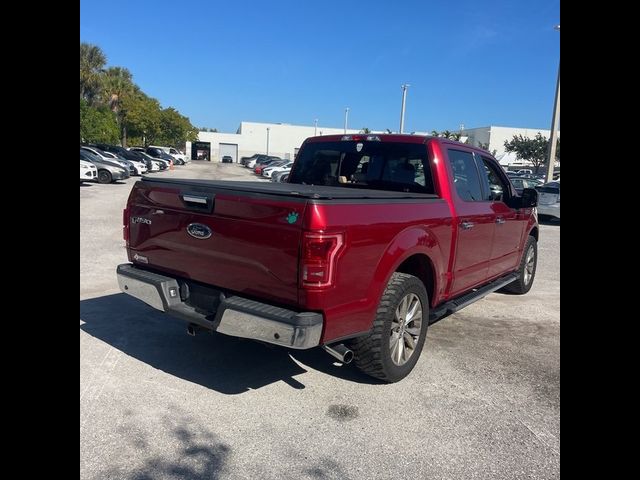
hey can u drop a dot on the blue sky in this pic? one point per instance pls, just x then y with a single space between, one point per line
219 63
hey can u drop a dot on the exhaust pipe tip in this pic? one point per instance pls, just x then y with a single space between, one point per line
342 353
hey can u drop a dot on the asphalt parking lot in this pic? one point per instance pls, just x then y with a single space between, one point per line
483 401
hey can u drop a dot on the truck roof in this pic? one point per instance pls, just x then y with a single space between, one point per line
393 137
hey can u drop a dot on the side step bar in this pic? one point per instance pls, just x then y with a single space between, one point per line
462 301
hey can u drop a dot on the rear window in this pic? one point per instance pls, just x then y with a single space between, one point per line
368 164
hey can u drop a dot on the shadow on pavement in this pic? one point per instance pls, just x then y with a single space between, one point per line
226 364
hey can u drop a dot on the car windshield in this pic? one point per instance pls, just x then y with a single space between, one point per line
88 155
364 164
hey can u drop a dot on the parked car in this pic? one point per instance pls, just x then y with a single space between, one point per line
156 152
108 172
118 161
260 166
88 171
164 164
227 159
259 160
276 167
280 176
126 154
525 171
140 167
521 183
359 265
245 160
549 200
179 157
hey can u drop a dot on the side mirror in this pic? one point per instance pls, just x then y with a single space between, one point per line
529 198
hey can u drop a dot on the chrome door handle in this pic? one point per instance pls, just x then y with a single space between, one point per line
500 220
466 225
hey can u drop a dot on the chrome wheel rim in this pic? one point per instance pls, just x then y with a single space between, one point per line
529 265
406 327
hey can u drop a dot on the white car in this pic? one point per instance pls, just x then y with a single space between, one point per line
140 167
88 171
174 152
549 199
278 167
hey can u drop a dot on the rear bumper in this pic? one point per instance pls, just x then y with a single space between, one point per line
235 316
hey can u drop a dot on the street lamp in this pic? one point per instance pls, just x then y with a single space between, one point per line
553 140
315 127
346 117
404 98
268 130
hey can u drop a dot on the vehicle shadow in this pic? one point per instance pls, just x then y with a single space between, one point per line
226 364
84 184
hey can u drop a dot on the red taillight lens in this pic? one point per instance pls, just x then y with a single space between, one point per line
125 225
319 252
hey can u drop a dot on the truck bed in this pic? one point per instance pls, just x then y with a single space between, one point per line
317 192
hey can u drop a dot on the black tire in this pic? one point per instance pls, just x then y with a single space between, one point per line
104 176
524 282
372 354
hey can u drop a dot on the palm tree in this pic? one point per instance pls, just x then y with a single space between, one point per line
365 130
117 82
92 61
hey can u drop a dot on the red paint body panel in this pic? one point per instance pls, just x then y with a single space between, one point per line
256 252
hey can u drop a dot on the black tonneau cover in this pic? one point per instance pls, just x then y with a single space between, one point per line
294 190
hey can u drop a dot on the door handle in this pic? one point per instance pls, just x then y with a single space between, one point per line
500 220
466 225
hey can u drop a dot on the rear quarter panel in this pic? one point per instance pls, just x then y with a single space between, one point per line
378 238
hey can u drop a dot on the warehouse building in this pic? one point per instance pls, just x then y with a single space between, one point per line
284 140
279 139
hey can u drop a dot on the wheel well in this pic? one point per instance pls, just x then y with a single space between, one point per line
534 233
420 266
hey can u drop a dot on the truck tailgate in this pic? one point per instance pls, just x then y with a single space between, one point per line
253 244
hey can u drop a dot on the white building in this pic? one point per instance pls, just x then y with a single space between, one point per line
496 136
279 139
284 140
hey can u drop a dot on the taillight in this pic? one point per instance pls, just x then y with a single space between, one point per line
319 252
125 225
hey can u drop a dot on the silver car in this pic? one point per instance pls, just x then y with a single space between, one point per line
108 172
549 200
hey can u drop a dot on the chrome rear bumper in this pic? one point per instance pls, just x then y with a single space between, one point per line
235 316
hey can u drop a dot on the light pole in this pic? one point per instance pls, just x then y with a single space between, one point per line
315 127
553 140
268 130
346 117
404 99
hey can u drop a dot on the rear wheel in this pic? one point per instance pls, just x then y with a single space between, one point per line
527 269
399 331
104 176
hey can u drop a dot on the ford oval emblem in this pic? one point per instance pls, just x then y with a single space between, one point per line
199 231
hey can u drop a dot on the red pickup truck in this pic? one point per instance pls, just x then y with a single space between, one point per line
373 238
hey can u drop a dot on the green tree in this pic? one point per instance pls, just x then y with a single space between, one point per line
97 124
141 117
92 61
530 149
365 130
117 84
175 129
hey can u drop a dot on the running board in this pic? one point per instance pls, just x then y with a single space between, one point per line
462 301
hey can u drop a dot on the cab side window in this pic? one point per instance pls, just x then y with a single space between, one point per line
496 190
